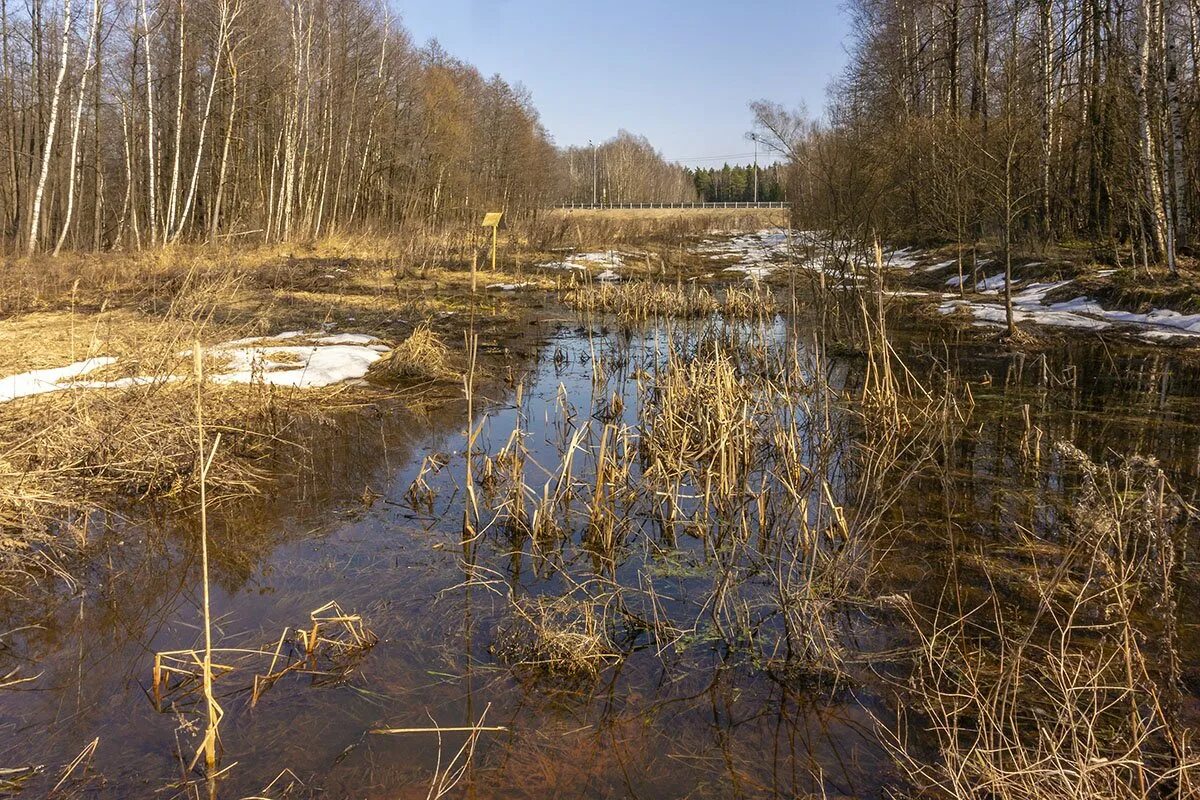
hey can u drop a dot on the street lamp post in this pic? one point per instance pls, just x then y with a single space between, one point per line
595 173
754 138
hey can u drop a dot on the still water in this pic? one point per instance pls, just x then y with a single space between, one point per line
694 719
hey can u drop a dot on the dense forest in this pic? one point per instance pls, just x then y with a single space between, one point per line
1023 120
736 184
131 123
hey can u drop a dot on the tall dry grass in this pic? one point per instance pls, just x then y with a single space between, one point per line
73 451
1081 698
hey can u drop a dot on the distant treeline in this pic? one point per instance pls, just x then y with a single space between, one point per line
735 184
624 169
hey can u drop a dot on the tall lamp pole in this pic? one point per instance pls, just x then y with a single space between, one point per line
754 138
595 173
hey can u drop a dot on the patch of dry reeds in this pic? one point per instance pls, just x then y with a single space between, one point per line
558 636
74 450
422 356
1082 698
644 301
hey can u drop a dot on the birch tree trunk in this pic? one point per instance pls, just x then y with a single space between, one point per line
1046 48
228 16
215 222
172 197
1178 132
48 147
73 166
151 132
1149 10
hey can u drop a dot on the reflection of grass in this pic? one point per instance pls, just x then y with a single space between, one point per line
1077 691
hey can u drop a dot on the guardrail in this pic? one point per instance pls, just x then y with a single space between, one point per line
620 206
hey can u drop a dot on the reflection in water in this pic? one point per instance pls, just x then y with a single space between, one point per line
696 719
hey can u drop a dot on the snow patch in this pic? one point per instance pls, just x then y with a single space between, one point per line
323 361
300 366
43 381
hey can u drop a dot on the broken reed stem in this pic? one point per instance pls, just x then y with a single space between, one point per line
210 735
460 729
471 508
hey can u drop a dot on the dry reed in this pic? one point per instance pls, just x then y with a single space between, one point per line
1082 699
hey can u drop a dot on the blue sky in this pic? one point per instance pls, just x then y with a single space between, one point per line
682 73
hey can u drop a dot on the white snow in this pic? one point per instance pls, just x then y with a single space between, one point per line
299 366
582 261
902 259
1083 313
43 381
993 284
508 287
940 266
323 361
992 315
346 338
751 251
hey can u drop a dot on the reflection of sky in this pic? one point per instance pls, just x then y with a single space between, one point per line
682 73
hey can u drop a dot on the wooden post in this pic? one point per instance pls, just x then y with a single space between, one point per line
492 220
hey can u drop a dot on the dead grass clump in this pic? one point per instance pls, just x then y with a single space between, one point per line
749 302
138 442
422 356
560 636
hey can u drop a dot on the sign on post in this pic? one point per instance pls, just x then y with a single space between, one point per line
492 220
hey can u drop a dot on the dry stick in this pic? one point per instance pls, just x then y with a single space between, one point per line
471 508
209 746
460 729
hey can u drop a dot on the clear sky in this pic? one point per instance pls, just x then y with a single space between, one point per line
682 72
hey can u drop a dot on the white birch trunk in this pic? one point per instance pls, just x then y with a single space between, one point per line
151 133
48 148
73 167
228 15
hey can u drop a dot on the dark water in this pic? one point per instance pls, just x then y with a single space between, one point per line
695 720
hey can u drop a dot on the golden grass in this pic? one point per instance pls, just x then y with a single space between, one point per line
556 636
590 228
642 301
422 356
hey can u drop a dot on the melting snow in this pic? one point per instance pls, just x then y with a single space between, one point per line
581 261
299 366
42 381
324 361
754 252
1082 313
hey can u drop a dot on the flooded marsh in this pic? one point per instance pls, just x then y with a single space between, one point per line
684 550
